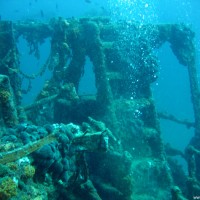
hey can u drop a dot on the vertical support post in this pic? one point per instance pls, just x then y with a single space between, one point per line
8 109
195 95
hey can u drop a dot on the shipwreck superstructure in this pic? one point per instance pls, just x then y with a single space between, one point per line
133 164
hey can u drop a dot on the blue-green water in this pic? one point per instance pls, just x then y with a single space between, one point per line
171 90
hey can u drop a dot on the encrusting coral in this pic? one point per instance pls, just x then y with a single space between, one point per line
8 188
9 111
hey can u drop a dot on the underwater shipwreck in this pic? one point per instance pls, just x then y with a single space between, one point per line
100 146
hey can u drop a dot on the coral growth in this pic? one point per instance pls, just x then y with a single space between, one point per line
4 96
29 171
8 188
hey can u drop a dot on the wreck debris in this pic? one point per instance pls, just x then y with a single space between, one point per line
16 154
41 102
177 194
171 117
73 144
89 142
